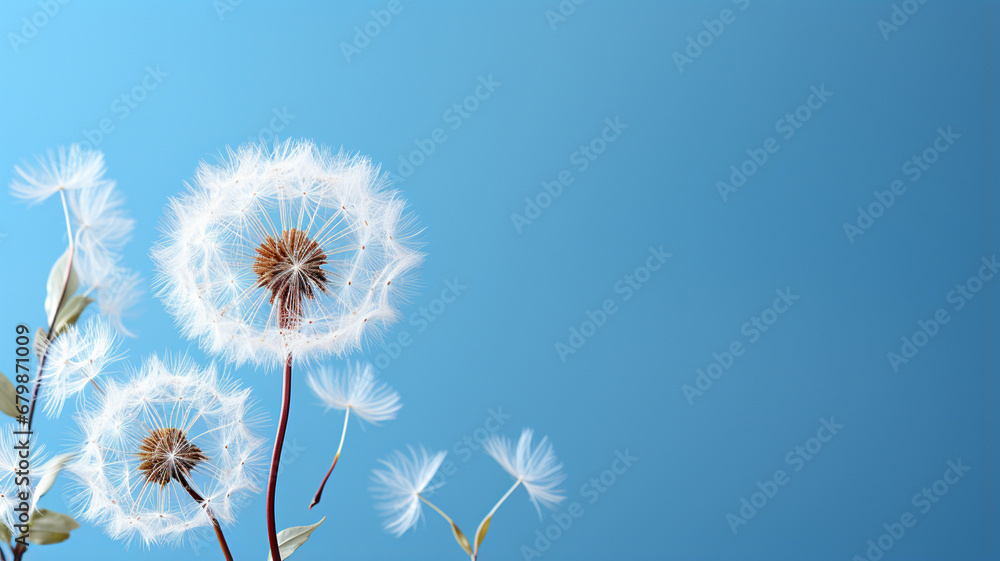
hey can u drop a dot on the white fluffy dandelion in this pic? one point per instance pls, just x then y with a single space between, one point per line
352 390
535 467
401 485
290 250
75 359
68 169
171 450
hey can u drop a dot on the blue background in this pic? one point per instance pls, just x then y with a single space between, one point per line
494 347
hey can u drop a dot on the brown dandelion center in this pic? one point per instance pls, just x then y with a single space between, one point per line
167 454
292 269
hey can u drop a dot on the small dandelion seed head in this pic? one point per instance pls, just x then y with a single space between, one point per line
286 249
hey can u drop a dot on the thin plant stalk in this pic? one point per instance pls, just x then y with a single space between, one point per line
215 522
279 441
489 516
459 536
52 325
315 501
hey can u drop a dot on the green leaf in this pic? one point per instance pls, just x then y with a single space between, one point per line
8 397
481 532
5 533
290 539
49 526
70 313
41 343
38 537
461 539
50 470
56 297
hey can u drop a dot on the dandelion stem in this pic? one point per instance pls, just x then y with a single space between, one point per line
336 457
215 522
279 441
459 536
486 519
52 324
502 499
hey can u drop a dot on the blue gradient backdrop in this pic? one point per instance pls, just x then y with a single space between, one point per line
280 67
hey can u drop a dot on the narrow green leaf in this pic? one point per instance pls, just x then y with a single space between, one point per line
70 313
56 297
41 343
50 470
290 539
8 397
461 539
481 532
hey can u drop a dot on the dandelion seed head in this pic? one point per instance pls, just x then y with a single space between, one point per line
171 422
289 249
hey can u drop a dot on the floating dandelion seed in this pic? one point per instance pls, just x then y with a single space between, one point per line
535 467
402 484
68 169
353 390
